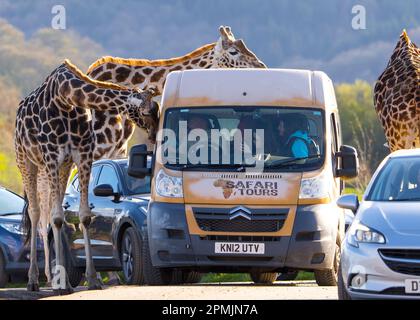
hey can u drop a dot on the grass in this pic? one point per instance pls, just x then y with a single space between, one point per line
244 277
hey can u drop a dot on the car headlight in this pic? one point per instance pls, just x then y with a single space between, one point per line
359 233
13 228
314 188
168 186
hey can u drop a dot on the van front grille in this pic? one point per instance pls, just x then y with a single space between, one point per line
248 220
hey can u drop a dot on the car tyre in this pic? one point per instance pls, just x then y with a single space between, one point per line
342 292
75 274
4 277
131 257
263 277
329 277
152 275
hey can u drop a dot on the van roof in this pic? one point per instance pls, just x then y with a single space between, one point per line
252 87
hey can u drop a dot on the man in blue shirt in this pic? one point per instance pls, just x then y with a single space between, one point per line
299 143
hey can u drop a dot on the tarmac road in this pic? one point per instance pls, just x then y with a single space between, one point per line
285 290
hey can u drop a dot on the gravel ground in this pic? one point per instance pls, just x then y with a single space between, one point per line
215 291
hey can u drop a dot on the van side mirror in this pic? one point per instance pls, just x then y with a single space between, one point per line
347 163
137 162
348 201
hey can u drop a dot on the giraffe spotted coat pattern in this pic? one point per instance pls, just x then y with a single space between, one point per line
397 96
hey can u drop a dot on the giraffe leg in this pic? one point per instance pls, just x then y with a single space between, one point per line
94 283
29 176
60 282
44 203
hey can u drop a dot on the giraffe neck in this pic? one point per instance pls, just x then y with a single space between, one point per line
145 73
76 89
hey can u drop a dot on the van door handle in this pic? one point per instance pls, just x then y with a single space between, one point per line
91 206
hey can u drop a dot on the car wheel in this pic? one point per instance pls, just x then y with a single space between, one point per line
4 277
329 277
263 277
75 274
152 275
287 276
342 292
131 258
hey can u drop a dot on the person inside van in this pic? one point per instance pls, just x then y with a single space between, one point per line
299 144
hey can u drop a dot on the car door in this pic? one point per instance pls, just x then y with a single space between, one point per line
71 212
104 210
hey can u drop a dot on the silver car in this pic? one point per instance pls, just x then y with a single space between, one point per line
380 255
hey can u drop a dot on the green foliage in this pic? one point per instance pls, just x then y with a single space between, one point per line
24 64
361 127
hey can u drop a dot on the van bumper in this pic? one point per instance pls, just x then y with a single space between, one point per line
310 247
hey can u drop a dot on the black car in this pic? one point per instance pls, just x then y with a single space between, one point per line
119 204
14 256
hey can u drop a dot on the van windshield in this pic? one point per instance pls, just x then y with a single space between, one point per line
280 138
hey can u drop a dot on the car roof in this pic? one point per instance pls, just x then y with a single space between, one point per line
116 161
405 153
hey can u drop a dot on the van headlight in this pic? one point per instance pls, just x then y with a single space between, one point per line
314 188
360 233
168 186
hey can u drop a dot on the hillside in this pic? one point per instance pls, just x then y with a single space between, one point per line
283 33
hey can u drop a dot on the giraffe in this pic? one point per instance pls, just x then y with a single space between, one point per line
227 52
397 96
53 131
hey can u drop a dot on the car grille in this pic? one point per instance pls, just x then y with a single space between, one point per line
406 261
258 220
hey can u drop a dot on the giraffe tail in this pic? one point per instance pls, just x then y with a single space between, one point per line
26 221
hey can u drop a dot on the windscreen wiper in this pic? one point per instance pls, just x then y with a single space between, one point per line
239 167
283 163
9 214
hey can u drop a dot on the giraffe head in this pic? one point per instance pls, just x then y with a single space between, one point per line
143 111
232 53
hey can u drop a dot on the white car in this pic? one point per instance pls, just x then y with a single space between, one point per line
381 252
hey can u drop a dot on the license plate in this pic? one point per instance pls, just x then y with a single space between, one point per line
412 286
239 248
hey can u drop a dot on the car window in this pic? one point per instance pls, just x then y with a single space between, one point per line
399 180
135 185
75 186
108 176
10 203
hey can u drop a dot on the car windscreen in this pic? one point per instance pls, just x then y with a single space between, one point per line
135 185
10 203
398 180
218 137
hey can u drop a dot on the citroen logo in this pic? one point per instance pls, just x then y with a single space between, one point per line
240 212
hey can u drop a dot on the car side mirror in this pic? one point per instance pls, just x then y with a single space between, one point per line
105 190
347 166
348 201
137 162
